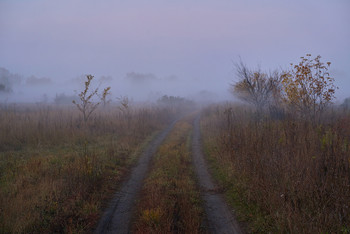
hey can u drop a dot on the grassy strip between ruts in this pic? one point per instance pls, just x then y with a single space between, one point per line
170 201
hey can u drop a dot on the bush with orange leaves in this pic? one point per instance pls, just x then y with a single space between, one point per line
308 87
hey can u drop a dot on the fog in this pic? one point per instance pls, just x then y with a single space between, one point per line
146 49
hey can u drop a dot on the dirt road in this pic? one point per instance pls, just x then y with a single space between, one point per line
219 216
116 218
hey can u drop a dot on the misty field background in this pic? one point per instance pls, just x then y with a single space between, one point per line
280 175
86 87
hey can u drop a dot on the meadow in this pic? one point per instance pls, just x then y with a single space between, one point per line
57 172
284 174
280 173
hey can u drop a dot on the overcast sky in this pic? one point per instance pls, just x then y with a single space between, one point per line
195 41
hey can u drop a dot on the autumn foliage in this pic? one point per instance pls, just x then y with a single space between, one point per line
308 86
289 174
306 89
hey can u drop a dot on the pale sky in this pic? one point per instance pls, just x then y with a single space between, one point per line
195 41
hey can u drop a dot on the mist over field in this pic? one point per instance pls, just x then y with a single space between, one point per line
139 87
144 50
141 116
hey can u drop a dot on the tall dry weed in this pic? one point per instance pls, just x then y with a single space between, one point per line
296 172
56 172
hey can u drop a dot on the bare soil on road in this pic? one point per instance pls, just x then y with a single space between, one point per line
220 217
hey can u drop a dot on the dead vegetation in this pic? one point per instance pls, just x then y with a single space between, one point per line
286 176
56 172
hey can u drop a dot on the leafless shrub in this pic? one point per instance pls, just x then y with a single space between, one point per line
87 106
256 87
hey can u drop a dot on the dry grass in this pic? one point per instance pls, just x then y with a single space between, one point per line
285 175
56 173
170 201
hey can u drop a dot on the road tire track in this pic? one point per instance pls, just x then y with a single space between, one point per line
220 217
116 218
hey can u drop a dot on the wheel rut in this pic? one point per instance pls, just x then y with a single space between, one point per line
219 216
118 215
116 218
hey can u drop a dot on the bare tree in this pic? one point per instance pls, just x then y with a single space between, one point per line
87 106
256 87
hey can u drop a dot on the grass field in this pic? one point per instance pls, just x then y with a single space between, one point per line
56 173
281 175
